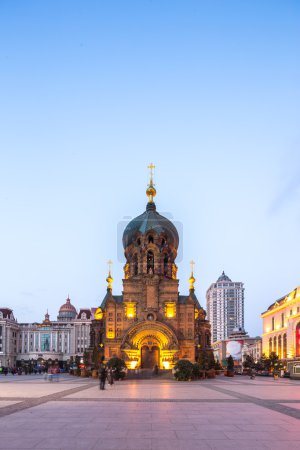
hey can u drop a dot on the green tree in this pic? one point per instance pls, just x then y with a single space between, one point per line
249 362
118 366
274 360
218 365
206 360
85 358
263 363
230 363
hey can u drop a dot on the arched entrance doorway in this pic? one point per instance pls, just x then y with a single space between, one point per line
149 357
148 344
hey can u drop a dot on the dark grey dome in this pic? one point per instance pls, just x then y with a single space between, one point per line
150 220
223 277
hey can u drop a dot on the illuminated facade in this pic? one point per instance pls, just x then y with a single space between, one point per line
281 326
150 323
225 307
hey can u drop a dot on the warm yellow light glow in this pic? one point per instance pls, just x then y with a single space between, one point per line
98 314
170 310
133 364
277 327
130 310
166 365
110 334
267 329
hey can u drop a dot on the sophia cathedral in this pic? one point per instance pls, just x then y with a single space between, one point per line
150 323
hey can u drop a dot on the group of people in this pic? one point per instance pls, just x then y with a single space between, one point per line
20 370
105 373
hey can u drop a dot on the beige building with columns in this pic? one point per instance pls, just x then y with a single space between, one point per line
281 327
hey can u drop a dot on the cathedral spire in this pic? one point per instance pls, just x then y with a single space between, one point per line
192 279
109 278
151 191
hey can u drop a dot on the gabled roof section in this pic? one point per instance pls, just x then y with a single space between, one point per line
110 296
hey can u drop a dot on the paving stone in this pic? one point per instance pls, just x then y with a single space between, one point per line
149 415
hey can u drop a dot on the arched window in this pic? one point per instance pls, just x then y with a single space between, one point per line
135 265
270 346
284 353
150 262
138 241
279 347
166 264
150 239
298 339
275 345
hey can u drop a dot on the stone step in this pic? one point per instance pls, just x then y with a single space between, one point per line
147 374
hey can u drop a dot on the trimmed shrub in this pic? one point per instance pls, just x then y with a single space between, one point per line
183 370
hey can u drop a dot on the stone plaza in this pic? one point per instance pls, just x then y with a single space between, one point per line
159 414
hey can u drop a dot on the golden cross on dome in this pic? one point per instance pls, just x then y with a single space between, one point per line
151 167
151 191
109 278
192 263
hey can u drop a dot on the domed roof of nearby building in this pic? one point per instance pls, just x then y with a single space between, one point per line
67 310
223 277
150 220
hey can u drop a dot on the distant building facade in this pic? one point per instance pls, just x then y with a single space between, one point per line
225 307
239 344
9 333
281 326
52 341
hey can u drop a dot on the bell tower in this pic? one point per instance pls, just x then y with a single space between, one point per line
150 247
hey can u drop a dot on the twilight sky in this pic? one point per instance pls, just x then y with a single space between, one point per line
92 91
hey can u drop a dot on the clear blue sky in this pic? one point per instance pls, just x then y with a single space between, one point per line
91 92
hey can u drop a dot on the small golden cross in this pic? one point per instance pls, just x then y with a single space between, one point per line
109 262
151 167
192 263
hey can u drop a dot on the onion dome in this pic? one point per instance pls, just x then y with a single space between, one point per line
151 220
109 278
192 279
223 277
67 311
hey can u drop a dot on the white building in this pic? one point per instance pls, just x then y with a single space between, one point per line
8 338
51 341
225 307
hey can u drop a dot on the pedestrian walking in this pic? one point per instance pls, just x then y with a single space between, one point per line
102 377
110 377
